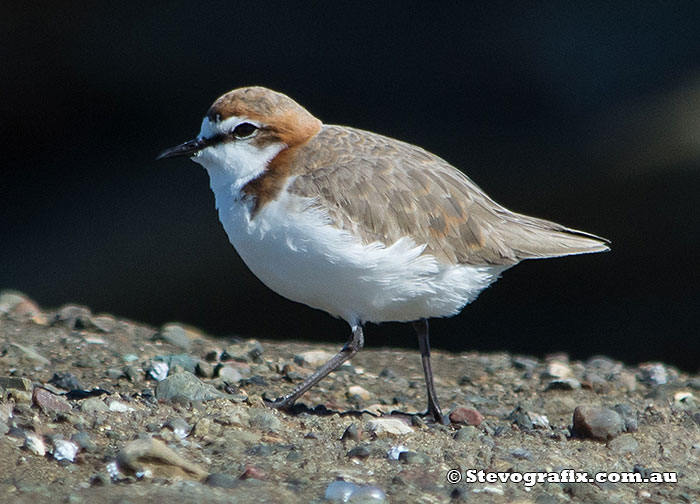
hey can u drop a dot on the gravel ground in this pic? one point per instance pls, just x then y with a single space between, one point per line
94 408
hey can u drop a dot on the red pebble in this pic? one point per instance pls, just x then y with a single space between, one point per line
467 416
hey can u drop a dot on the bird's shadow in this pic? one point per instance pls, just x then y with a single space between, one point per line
321 410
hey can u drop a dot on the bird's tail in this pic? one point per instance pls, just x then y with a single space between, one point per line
539 238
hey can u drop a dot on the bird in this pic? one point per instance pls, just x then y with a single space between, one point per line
365 227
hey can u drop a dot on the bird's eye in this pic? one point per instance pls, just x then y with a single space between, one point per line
244 130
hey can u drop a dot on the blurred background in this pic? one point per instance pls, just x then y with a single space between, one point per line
583 113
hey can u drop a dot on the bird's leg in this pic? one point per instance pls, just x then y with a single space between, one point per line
421 327
354 344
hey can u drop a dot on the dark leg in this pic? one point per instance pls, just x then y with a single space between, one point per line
421 327
354 344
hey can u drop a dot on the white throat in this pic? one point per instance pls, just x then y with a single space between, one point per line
232 164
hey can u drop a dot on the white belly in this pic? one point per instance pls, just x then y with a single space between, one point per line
297 253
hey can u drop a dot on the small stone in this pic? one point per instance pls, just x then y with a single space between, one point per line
264 419
11 382
411 457
92 405
150 457
387 374
82 439
180 427
31 354
66 381
557 370
115 373
105 323
204 369
64 450
359 451
597 423
466 434
5 411
222 480
624 444
388 427
521 454
352 433
538 421
229 375
395 451
653 373
158 370
357 391
35 444
73 317
119 407
629 416
186 385
48 402
245 351
19 307
312 358
177 335
253 472
467 416
340 491
367 495
564 384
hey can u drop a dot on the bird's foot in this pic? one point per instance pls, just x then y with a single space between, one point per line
281 403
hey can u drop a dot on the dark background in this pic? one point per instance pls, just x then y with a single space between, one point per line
586 114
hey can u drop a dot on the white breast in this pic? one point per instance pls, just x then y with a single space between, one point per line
294 249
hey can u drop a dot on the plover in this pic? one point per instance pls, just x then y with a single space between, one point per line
362 226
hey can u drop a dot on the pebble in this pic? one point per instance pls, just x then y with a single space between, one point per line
629 416
411 457
5 411
204 369
357 391
184 361
359 451
82 439
34 443
367 495
150 457
340 491
180 427
597 423
557 370
245 351
185 385
19 307
312 358
73 317
467 416
177 335
158 370
115 373
64 450
395 451
466 434
653 373
564 384
624 444
119 407
31 354
105 323
381 427
48 402
352 433
228 374
11 382
264 419
251 471
521 454
92 405
222 480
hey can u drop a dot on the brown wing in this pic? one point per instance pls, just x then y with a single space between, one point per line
388 189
